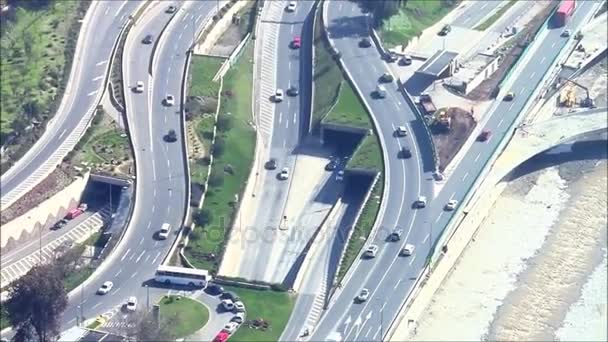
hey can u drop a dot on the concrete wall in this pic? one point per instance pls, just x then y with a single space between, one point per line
484 74
220 27
44 215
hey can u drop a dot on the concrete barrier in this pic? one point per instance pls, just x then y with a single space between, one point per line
43 215
220 26
314 244
182 114
472 197
232 59
420 117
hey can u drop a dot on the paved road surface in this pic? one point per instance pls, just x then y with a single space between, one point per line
89 73
392 278
290 123
161 183
475 12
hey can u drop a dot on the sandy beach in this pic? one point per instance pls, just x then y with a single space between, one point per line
536 270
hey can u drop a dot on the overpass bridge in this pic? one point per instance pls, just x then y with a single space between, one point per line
532 139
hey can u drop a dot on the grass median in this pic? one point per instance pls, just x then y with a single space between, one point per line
269 306
201 106
182 316
491 20
233 154
411 19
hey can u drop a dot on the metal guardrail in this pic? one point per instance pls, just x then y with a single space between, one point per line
457 218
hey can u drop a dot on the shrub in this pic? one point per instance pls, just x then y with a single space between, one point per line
224 122
216 179
202 218
219 147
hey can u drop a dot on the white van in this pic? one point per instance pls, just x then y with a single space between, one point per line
164 231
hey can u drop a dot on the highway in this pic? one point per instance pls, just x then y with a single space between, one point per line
388 277
87 78
290 122
161 182
475 12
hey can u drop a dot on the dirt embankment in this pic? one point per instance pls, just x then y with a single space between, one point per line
488 88
448 143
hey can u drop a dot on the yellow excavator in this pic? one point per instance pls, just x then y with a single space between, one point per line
442 119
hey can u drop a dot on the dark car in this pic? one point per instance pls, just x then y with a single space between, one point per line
292 91
60 224
147 39
406 153
171 9
386 78
485 135
214 289
445 30
171 136
391 57
395 235
332 165
365 43
230 295
271 164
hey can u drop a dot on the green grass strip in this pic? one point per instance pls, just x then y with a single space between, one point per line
491 20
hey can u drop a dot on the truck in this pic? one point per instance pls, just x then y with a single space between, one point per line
565 10
427 104
76 212
73 213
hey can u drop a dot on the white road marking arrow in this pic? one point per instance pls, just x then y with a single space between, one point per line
346 323
357 324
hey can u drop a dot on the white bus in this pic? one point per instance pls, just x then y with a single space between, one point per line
182 276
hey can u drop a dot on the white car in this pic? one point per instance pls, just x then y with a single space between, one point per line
408 250
164 231
132 304
566 33
105 288
291 7
239 317
420 202
401 131
451 205
278 95
239 306
371 251
284 174
139 87
227 304
169 100
230 327
363 295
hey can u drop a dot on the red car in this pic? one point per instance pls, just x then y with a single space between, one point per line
297 42
222 336
485 135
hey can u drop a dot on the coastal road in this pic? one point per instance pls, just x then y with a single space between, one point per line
389 277
83 92
161 181
290 123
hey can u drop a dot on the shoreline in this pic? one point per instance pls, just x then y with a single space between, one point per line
507 283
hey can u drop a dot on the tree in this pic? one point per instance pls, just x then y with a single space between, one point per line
36 302
202 217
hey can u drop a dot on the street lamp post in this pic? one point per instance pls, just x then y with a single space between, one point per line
147 298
